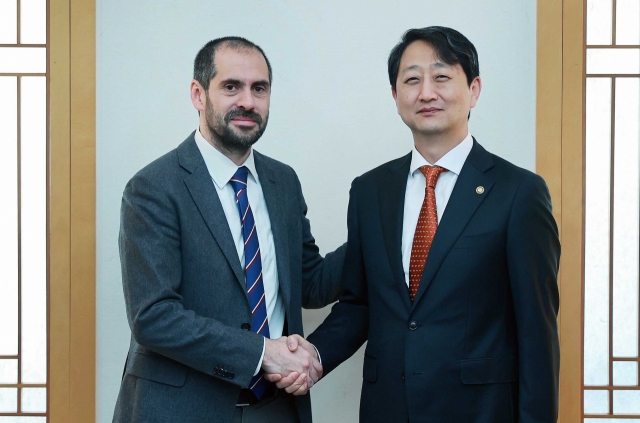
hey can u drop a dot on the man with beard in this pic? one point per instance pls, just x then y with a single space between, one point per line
217 260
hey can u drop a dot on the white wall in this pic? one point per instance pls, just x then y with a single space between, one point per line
332 116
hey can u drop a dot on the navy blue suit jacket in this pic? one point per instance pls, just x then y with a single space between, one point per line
479 343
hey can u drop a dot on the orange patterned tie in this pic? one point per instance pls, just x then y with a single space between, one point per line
425 229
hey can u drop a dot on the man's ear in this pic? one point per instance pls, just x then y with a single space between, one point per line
198 96
394 93
476 88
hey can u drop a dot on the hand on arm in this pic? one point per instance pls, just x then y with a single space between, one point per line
292 363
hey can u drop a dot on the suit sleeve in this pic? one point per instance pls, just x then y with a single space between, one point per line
320 276
151 263
347 327
533 254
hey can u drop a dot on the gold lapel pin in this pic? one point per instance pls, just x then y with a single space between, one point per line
480 190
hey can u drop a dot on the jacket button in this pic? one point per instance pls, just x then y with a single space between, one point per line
245 326
413 325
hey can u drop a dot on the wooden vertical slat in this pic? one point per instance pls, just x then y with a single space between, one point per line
59 212
72 210
549 100
611 245
559 159
573 93
83 216
559 162
19 158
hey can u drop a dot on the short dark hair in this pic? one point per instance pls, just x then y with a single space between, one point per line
450 46
204 67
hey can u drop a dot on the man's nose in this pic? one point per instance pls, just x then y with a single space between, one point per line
427 91
246 100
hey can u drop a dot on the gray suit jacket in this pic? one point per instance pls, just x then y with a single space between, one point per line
191 351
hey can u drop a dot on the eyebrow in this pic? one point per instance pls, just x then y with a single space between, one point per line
261 82
433 65
239 82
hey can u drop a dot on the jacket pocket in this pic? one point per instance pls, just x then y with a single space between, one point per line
158 369
489 370
369 369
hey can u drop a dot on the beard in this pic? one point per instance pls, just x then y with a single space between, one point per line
236 140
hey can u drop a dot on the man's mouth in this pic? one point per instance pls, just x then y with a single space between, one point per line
427 111
243 121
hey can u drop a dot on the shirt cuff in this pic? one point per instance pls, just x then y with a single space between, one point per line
264 345
317 352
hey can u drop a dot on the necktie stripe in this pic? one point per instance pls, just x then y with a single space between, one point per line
258 305
253 260
255 284
253 230
246 213
262 326
256 382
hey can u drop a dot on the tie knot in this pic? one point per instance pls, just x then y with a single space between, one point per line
239 179
432 173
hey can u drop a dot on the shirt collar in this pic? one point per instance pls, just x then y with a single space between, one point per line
452 161
220 167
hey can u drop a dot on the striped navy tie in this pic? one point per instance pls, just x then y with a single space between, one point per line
252 269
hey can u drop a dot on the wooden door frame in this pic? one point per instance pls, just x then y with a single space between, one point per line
560 160
72 217
72 227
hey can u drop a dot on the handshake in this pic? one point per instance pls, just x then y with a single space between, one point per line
292 363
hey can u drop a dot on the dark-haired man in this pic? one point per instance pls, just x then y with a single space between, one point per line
217 260
451 264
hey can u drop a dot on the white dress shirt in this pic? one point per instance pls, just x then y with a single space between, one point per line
415 191
221 169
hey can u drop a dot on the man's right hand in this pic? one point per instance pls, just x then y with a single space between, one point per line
294 382
293 369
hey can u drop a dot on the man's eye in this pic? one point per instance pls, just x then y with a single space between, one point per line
260 89
412 79
230 88
442 77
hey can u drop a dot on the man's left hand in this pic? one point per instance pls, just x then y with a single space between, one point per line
295 383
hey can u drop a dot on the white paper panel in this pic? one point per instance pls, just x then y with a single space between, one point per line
8 22
613 61
599 22
596 295
628 22
9 215
625 373
23 59
596 402
593 421
33 21
34 400
625 218
626 402
8 400
34 230
8 371
32 419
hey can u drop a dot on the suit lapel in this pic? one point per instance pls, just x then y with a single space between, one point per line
274 198
391 201
463 203
205 196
